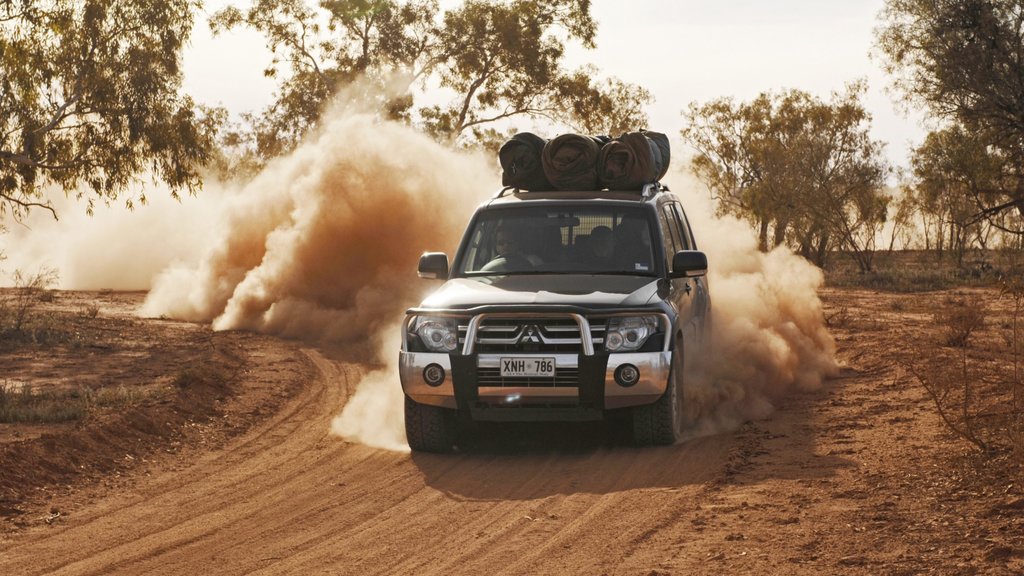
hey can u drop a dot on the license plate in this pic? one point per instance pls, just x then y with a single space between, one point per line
532 366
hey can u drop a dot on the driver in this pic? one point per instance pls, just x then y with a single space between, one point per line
508 254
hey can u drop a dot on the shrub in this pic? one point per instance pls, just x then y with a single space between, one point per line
960 319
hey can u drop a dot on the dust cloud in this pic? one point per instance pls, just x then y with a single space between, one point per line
116 248
322 246
769 333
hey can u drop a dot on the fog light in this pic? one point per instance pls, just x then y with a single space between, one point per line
627 375
433 375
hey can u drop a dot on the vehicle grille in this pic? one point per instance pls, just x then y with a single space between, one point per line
525 335
564 377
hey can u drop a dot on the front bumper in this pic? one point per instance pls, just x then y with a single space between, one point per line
584 386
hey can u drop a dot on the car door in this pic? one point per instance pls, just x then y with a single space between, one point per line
681 289
701 294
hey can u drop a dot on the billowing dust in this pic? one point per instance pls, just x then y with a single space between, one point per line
117 248
769 334
322 246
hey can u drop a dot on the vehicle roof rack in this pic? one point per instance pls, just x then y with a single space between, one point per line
648 191
506 189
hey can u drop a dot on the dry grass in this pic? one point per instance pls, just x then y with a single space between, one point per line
924 271
26 403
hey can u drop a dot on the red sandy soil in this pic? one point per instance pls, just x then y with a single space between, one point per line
239 474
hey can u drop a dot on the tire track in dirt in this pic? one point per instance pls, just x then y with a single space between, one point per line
288 497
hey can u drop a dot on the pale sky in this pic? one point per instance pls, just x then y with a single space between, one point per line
680 50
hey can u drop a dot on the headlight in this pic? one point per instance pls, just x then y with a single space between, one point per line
438 334
629 333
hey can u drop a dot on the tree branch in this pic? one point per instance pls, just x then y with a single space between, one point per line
988 213
28 205
60 115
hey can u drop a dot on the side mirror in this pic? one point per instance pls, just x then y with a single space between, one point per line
433 265
688 264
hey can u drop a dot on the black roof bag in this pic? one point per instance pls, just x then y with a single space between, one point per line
570 162
634 159
521 165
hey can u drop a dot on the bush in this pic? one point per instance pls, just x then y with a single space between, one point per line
19 308
960 319
982 402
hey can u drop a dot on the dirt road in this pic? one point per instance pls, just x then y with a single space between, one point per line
845 480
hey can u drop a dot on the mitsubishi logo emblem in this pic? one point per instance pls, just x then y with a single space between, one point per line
530 334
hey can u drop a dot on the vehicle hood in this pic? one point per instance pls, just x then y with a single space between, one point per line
587 290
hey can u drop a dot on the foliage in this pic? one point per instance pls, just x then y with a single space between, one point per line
610 107
511 64
322 49
90 96
804 169
962 60
500 60
947 168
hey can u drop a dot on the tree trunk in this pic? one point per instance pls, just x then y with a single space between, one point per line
780 232
762 237
821 250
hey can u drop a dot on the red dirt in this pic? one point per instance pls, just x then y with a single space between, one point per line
859 478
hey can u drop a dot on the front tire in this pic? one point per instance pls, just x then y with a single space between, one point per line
428 428
661 423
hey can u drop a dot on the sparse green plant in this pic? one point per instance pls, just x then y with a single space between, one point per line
203 374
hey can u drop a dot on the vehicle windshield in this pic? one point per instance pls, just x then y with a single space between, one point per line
564 239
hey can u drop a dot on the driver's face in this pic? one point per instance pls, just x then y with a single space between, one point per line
503 243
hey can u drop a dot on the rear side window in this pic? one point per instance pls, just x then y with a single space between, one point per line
669 232
684 227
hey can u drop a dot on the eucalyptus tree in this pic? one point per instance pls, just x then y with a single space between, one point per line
802 171
963 61
498 60
91 100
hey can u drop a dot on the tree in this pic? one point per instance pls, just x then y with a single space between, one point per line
90 100
610 106
510 66
322 49
964 61
948 168
500 60
804 170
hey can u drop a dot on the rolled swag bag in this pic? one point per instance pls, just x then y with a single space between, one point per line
634 159
570 162
521 165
